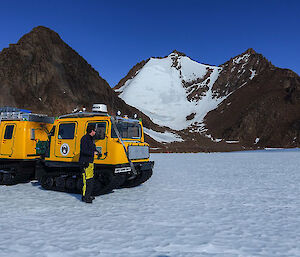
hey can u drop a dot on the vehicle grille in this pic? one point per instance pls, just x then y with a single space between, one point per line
136 152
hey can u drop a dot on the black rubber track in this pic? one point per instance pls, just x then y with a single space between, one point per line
106 181
16 176
142 177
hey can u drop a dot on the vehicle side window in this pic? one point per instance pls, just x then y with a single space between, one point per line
9 130
66 131
100 130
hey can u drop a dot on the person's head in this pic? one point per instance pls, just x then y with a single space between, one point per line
91 130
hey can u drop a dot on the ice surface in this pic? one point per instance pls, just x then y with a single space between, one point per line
219 204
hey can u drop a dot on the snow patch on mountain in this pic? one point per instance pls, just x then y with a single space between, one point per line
165 137
253 73
243 58
161 89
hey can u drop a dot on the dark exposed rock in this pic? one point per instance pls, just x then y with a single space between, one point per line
43 73
191 116
197 88
266 108
178 53
238 70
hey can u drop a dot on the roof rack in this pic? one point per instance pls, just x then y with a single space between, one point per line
83 115
13 109
13 114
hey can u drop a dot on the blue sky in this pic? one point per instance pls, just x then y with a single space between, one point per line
114 35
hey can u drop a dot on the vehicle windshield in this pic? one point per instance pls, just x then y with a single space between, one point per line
127 129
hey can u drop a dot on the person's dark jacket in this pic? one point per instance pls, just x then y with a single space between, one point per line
87 149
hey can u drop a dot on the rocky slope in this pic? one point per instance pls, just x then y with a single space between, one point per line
43 74
264 113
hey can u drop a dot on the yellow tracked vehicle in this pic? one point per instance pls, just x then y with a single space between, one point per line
123 160
20 130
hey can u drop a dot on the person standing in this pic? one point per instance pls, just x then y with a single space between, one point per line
86 159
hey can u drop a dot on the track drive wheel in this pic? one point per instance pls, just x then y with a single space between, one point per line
104 182
47 182
71 183
8 179
142 177
60 182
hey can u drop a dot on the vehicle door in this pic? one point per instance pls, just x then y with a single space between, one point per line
7 139
100 137
65 139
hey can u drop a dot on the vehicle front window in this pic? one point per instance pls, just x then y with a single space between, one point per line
131 130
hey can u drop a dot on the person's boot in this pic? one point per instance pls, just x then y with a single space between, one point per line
87 199
89 190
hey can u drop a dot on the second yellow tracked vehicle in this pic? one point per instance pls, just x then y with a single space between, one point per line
20 130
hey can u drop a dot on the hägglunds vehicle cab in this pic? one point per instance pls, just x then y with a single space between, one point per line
123 160
20 130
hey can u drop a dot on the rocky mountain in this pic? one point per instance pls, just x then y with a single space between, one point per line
246 102
265 113
42 73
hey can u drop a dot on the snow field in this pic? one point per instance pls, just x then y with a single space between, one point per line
166 137
219 204
158 92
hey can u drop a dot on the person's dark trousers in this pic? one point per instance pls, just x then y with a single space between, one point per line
88 183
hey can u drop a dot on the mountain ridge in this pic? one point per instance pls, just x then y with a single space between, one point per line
241 72
184 105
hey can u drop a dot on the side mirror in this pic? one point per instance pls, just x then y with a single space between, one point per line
52 132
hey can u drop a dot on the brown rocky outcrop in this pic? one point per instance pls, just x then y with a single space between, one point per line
267 108
238 71
43 74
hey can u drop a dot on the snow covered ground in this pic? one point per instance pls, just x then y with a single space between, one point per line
218 204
